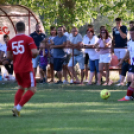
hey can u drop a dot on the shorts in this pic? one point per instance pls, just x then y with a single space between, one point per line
120 53
105 58
43 66
94 65
25 79
35 61
131 69
58 64
66 59
86 59
77 59
124 68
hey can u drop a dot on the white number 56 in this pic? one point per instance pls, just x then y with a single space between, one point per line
18 47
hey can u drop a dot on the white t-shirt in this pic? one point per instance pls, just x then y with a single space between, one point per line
67 50
93 54
3 48
130 45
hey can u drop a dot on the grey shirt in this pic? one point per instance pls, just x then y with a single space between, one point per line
76 40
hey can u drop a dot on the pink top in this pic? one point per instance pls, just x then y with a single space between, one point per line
101 44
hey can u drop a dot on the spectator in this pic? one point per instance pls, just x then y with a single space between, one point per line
104 44
77 55
4 61
125 67
67 58
37 36
53 34
86 59
88 42
119 40
58 44
43 53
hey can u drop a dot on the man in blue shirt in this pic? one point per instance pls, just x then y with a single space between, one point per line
37 36
58 44
120 40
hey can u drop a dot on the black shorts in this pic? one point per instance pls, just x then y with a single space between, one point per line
58 63
86 59
131 69
124 68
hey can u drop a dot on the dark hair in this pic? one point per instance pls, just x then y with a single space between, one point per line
102 27
52 28
20 26
131 22
91 30
90 26
118 19
107 34
5 36
132 29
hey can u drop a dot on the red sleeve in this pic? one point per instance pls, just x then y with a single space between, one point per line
31 43
9 46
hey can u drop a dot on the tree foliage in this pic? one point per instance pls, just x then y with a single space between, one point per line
77 12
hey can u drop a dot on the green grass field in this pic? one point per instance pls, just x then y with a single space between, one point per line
60 109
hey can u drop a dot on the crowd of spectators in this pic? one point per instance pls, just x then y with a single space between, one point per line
62 51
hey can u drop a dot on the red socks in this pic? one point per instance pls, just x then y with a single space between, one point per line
27 96
18 96
130 91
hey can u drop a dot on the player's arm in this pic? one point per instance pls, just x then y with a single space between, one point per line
33 48
34 52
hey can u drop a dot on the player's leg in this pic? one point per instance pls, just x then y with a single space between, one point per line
30 83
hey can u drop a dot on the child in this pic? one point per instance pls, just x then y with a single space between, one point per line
43 53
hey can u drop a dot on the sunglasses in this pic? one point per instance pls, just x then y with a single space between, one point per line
103 32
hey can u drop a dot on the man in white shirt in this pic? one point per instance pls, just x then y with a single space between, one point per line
130 53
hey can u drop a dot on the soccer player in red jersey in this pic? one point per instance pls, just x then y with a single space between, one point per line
21 49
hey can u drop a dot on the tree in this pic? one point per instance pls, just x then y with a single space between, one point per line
77 12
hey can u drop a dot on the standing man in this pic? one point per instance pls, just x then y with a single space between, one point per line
120 40
58 44
38 37
77 56
21 49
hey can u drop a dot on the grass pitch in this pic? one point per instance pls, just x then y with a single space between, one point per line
67 109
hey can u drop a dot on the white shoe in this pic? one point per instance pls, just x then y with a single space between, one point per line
65 82
71 81
86 81
11 77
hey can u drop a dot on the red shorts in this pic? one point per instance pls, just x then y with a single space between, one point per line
26 79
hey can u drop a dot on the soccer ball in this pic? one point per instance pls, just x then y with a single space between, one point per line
105 94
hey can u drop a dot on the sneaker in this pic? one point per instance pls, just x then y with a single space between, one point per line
65 82
85 81
71 81
41 81
120 84
16 112
11 77
123 99
59 82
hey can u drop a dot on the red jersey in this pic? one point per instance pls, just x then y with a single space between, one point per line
21 46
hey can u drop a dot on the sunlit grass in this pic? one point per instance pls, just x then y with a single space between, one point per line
67 109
